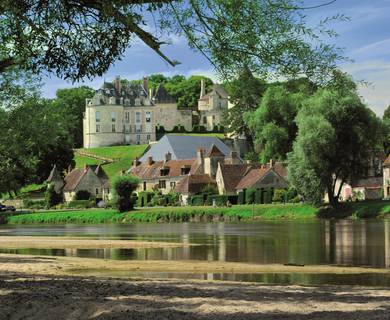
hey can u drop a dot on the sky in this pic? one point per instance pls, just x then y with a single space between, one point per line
365 39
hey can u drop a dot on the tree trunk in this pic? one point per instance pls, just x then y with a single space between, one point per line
333 199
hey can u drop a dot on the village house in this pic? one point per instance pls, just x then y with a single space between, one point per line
227 172
91 178
127 113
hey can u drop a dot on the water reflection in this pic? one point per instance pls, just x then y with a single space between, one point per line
344 242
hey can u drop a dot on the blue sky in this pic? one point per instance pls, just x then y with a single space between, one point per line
366 39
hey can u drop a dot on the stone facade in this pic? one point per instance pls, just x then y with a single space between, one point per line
125 113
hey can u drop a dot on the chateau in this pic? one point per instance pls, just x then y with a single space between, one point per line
127 113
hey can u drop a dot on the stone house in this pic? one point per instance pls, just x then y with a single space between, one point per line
127 113
91 178
233 178
211 105
386 178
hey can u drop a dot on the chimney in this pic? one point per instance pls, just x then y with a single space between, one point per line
200 156
202 88
150 160
168 156
136 162
146 85
271 163
117 84
234 157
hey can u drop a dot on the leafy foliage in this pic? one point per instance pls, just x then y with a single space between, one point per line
84 38
336 135
52 198
124 187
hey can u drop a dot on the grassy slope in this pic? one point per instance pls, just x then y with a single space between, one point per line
123 156
170 214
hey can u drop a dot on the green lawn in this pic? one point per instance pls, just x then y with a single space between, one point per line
123 157
217 135
170 214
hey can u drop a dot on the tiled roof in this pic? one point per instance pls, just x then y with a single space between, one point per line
153 171
193 184
73 178
369 183
232 175
251 178
215 152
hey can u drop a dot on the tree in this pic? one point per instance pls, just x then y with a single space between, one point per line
124 187
386 130
77 39
336 135
52 198
245 93
272 124
186 91
35 138
72 101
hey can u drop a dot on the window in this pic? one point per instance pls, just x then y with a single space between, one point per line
138 117
113 128
138 138
204 120
97 116
144 185
161 184
98 128
97 191
113 116
172 184
127 117
185 170
148 137
148 116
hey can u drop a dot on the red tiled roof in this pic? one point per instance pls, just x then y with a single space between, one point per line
193 184
369 183
73 178
251 178
232 174
146 171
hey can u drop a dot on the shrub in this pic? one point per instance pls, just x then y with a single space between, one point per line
280 195
52 198
81 204
241 197
291 194
209 189
268 195
82 195
144 198
220 200
197 200
250 195
124 187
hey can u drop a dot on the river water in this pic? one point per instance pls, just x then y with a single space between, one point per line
318 242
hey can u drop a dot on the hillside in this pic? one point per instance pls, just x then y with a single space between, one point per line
114 159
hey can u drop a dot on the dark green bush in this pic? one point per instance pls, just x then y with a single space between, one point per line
250 195
280 196
241 197
220 200
196 200
81 204
124 187
52 198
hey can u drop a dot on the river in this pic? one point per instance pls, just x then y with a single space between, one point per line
316 242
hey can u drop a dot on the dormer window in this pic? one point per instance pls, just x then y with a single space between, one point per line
164 171
185 170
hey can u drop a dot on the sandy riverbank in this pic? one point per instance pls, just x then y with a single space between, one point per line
24 296
33 287
17 242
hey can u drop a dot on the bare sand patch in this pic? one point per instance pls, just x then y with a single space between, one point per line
18 242
78 266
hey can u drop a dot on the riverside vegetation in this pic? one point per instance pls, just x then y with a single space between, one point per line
368 209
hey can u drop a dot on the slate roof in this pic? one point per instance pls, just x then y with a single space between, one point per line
54 175
182 147
216 89
194 183
153 171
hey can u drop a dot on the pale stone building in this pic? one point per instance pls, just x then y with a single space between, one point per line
125 113
212 105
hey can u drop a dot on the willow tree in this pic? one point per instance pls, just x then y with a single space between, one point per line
74 39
